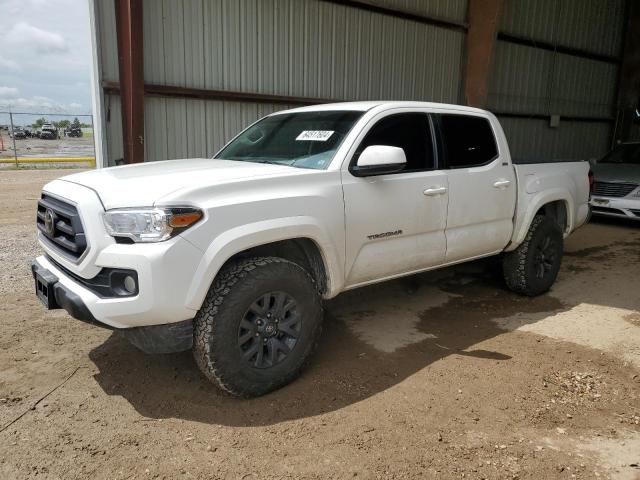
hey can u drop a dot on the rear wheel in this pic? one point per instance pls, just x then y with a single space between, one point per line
532 268
258 326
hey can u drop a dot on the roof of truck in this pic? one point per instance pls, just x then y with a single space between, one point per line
365 106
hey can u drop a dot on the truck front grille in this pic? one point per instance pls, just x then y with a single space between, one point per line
60 224
613 189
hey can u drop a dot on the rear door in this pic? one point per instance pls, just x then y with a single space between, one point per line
395 222
482 187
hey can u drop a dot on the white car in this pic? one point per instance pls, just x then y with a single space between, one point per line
616 191
232 256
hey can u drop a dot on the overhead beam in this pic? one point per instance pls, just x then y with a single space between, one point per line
210 94
131 64
484 18
369 6
629 77
552 47
546 116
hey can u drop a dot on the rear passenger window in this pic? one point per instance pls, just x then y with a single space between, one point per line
468 141
409 131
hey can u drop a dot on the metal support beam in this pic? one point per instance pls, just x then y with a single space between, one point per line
552 47
484 17
172 91
131 64
629 85
544 116
374 7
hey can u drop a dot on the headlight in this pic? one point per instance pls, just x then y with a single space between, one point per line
150 224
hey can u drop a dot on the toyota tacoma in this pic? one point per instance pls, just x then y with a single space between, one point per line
232 256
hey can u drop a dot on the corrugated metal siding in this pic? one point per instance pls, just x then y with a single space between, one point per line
583 87
107 35
181 128
285 47
531 80
299 48
455 10
533 140
320 49
592 25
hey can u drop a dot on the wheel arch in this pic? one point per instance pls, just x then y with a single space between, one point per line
299 240
302 251
558 212
556 204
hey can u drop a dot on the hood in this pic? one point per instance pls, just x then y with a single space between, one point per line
144 184
616 172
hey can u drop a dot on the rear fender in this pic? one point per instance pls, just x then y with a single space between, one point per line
533 202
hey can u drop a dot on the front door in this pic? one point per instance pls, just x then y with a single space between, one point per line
395 222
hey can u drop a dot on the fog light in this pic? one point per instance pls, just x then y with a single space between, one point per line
123 283
129 284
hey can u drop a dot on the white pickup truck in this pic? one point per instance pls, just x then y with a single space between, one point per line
232 256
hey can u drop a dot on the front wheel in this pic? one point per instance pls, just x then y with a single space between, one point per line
258 326
532 268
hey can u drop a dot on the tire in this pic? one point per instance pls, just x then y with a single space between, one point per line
240 341
532 268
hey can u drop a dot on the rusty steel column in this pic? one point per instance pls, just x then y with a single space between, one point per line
131 64
484 19
629 85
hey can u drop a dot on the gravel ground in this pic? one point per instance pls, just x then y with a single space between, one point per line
440 375
36 147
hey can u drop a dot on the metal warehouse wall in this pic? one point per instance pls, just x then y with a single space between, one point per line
533 82
319 49
306 48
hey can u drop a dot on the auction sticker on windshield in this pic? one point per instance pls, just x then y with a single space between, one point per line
315 135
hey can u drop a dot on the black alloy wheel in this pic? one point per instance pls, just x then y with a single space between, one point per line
545 257
269 330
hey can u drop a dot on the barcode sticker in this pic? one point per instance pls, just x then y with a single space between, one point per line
315 135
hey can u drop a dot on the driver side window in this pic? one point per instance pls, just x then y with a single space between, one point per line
409 131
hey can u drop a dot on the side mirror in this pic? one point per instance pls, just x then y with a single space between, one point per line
379 160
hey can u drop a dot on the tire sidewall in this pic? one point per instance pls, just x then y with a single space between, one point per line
545 229
236 374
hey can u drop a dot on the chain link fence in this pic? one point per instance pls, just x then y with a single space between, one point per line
46 140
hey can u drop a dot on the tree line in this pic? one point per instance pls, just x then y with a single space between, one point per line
61 123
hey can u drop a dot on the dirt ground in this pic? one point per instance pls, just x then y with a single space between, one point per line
441 375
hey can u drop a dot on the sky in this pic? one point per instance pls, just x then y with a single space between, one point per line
45 56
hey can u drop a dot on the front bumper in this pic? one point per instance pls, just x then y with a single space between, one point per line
616 207
163 271
54 294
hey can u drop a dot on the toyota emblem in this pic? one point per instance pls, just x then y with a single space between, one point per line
49 222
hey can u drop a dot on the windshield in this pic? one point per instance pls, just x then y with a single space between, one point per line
305 139
626 153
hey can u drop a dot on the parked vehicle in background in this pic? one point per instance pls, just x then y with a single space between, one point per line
73 131
48 132
616 189
18 133
232 256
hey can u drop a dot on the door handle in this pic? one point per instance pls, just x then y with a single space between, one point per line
433 191
502 183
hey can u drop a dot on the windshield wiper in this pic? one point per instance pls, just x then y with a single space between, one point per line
273 162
